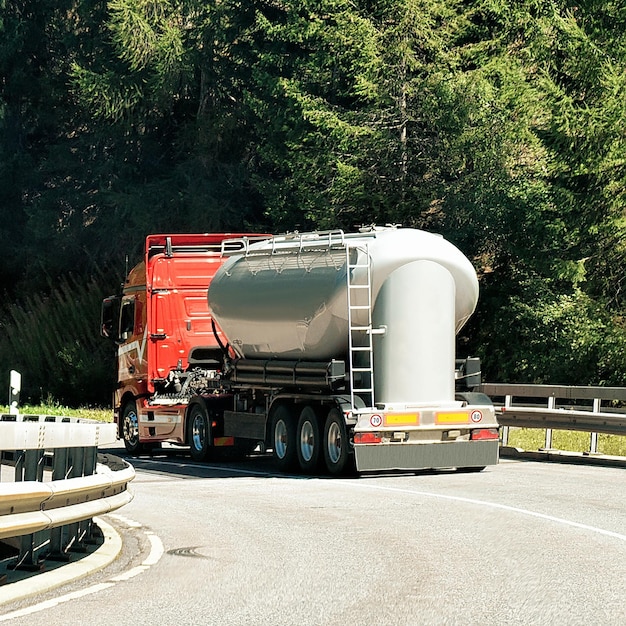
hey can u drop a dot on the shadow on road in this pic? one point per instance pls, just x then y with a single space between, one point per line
175 461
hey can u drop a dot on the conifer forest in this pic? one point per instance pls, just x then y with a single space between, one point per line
499 124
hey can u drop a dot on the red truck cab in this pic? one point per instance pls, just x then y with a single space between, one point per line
161 317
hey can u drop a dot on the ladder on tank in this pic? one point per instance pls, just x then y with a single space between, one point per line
360 343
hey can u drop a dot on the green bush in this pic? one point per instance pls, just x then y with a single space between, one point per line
546 338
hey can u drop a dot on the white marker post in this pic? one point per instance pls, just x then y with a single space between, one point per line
15 386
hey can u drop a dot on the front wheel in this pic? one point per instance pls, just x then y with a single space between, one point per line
199 435
130 428
284 439
336 447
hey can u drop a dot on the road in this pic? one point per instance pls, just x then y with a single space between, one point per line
237 544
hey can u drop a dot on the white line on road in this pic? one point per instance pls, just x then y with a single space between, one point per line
49 604
156 552
495 505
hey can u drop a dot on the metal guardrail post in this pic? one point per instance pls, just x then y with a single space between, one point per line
31 545
593 443
60 469
91 458
77 530
18 458
505 429
548 443
33 465
89 468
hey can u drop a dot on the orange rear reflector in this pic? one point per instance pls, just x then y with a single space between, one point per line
224 441
452 418
402 419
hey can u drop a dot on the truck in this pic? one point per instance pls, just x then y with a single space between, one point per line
334 350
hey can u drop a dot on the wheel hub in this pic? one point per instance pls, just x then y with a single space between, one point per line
334 443
131 427
198 434
307 441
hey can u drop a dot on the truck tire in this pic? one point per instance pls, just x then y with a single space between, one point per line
309 440
336 449
130 428
199 431
284 439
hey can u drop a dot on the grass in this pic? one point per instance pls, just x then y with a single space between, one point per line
569 440
102 415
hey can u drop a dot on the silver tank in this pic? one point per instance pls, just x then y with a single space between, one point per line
287 298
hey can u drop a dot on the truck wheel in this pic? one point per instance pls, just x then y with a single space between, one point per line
308 438
336 452
284 440
130 428
199 435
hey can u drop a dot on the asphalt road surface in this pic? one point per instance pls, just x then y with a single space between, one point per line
238 544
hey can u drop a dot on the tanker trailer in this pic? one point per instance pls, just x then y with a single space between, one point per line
342 349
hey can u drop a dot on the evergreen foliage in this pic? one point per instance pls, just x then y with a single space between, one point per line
54 341
499 124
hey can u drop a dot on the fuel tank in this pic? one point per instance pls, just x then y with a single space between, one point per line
296 296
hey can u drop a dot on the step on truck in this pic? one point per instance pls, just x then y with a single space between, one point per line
334 350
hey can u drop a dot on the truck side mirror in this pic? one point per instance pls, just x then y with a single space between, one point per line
109 318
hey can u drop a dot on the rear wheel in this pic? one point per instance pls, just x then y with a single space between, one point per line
130 428
199 435
284 439
308 436
336 452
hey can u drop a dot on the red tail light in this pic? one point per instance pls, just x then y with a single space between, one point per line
367 438
484 433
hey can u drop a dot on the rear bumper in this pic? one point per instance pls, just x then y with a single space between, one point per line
405 456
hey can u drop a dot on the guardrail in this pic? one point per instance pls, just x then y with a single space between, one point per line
589 409
53 482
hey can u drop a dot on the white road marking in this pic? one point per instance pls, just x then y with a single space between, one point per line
131 573
157 549
156 552
50 604
495 505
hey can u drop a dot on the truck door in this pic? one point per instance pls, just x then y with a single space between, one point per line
129 335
